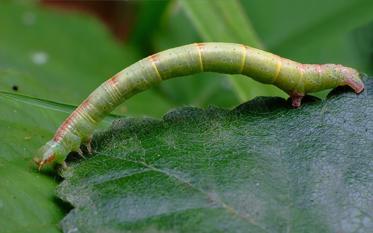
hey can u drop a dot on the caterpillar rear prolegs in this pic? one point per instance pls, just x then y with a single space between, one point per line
294 78
329 75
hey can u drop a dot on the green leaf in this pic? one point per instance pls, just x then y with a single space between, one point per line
262 167
27 200
63 57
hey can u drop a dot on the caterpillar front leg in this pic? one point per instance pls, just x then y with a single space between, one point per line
88 145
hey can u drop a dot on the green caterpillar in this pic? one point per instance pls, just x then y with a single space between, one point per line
294 78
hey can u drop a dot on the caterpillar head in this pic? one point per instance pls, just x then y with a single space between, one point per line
49 154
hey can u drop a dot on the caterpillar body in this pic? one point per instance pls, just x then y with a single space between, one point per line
294 78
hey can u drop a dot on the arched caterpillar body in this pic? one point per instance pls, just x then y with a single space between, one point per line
294 78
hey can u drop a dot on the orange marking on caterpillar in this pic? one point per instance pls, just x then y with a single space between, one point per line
319 69
301 68
200 45
41 163
113 81
59 134
154 58
50 158
85 103
83 110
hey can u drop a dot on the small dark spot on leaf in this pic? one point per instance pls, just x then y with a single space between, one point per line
15 88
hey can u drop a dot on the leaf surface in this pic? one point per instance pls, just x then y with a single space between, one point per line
27 200
27 197
262 167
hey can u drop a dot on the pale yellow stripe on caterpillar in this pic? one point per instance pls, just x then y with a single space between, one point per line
243 59
85 114
301 75
69 127
110 93
109 87
199 47
278 69
153 59
113 83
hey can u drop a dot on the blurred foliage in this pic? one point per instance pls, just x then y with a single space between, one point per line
61 56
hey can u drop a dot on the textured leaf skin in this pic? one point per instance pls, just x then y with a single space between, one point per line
262 167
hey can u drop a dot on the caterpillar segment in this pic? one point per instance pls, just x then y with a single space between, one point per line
294 78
